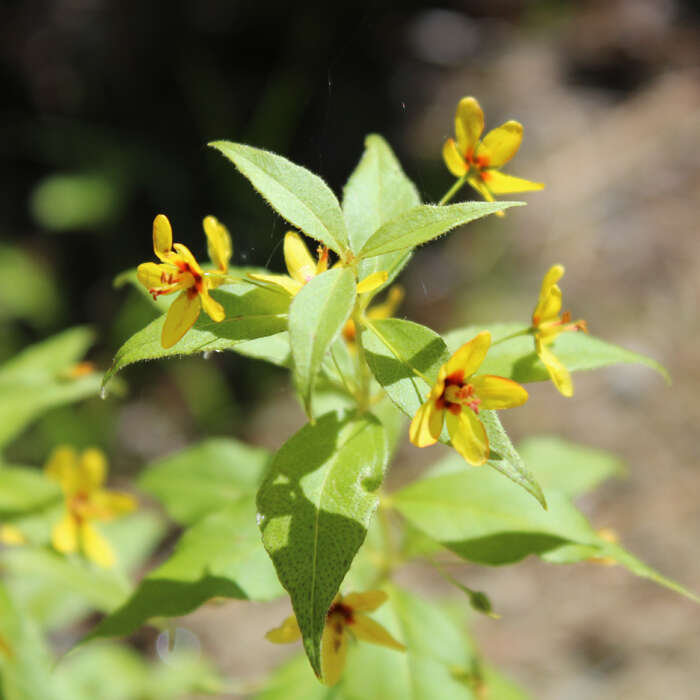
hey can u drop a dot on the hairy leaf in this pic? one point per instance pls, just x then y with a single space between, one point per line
315 507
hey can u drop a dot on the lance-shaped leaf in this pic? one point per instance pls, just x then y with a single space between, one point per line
314 510
316 317
486 519
251 312
220 555
395 349
516 358
425 222
204 478
41 377
297 195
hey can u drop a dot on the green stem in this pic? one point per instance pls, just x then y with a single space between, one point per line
363 367
517 334
453 190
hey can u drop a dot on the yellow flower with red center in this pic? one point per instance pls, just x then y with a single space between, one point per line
479 160
81 478
548 324
345 617
303 268
376 312
179 271
457 397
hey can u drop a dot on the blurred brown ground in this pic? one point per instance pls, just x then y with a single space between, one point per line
620 211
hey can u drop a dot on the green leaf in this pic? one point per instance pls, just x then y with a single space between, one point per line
377 191
316 317
204 477
425 222
567 467
294 192
251 312
24 490
394 348
440 660
517 360
315 507
272 348
486 519
38 379
602 549
219 556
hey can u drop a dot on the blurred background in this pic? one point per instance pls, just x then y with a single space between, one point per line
106 109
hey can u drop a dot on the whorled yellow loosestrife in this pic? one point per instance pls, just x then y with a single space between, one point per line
180 271
458 396
302 268
548 324
376 312
480 160
81 478
345 617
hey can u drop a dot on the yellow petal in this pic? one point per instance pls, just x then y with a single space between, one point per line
365 602
64 535
501 144
366 629
11 536
62 467
162 237
111 504
334 649
453 159
469 123
481 188
219 243
469 357
389 305
287 632
283 282
498 392
212 307
150 274
426 425
500 183
180 318
95 546
300 265
468 435
93 468
557 371
185 254
371 282
549 301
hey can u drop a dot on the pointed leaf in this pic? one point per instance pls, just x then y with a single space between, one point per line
251 312
220 555
314 510
294 192
516 358
425 222
316 317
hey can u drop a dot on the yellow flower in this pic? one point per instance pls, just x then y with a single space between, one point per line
480 160
179 271
457 397
548 324
378 311
303 268
81 478
345 616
